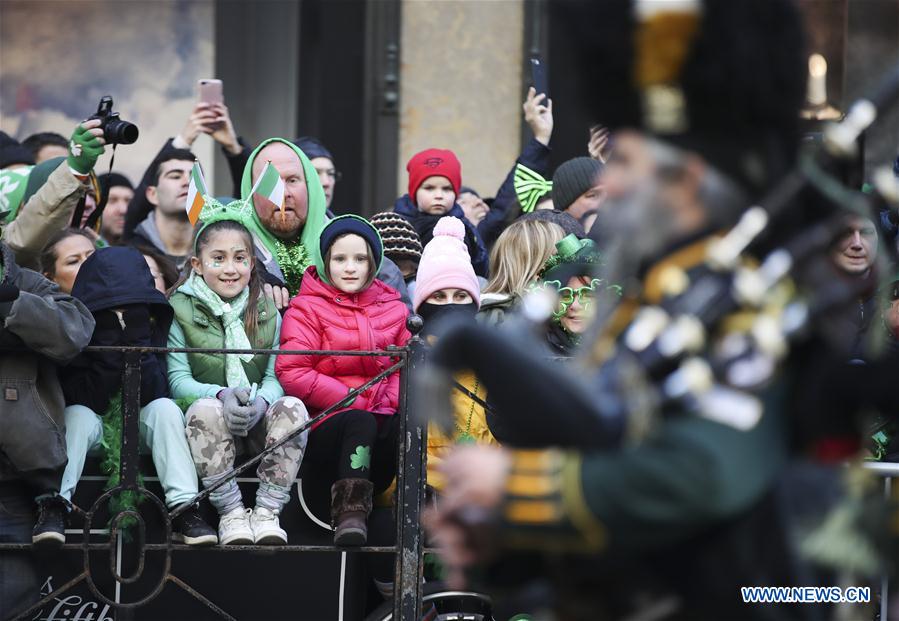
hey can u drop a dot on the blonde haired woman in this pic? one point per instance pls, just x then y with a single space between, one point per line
515 261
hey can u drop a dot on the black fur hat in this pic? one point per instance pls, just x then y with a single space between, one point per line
726 80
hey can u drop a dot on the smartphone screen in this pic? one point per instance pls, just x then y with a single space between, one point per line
538 77
210 91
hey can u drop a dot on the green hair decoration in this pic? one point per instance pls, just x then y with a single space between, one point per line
214 211
529 187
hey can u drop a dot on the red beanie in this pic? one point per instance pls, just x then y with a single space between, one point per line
431 162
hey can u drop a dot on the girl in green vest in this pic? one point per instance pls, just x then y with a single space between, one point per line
238 406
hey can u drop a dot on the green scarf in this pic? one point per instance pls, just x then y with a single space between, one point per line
232 320
292 254
111 442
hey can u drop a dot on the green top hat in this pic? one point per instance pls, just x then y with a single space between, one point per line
574 257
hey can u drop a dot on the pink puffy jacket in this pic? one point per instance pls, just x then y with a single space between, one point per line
323 317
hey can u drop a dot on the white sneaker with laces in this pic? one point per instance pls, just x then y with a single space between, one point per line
266 528
234 527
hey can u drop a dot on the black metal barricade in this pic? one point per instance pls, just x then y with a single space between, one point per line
410 489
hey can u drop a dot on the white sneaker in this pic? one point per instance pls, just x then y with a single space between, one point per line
234 527
266 528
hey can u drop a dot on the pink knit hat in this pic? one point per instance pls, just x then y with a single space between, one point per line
446 264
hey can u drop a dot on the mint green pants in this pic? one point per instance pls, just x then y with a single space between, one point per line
161 434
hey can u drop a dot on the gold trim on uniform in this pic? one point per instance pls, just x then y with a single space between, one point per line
592 530
519 484
535 461
532 511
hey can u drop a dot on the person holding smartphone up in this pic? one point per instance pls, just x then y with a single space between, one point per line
210 116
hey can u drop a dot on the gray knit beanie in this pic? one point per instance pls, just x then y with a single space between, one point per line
572 179
564 220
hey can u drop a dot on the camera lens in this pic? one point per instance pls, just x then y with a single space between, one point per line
120 132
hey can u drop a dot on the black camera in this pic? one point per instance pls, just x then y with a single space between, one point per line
115 130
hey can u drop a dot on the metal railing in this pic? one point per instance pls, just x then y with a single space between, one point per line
410 488
888 471
409 546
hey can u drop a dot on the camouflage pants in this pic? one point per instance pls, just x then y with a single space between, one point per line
214 450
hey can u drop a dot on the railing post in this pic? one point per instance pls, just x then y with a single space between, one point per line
410 486
129 464
885 580
130 455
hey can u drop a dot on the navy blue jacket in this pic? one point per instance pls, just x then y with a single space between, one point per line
424 225
118 278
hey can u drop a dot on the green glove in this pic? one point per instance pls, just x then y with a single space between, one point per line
84 149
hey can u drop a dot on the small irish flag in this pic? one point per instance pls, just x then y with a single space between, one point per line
195 192
270 186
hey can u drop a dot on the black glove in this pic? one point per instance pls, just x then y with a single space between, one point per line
8 295
137 324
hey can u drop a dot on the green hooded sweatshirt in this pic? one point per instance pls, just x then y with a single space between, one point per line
315 217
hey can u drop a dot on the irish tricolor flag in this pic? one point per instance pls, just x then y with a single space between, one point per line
195 192
270 186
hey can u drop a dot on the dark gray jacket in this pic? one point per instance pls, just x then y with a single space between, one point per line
40 329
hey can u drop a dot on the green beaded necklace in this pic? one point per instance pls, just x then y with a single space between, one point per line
293 261
465 436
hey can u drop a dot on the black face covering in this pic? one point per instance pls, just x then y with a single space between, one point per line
433 314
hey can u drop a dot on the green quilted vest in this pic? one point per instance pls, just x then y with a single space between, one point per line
202 329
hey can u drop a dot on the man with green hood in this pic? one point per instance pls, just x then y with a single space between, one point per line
285 239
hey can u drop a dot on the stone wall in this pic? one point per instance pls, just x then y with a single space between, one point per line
461 85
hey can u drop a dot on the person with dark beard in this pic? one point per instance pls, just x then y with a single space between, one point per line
630 508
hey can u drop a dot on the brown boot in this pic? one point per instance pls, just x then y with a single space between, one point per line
350 506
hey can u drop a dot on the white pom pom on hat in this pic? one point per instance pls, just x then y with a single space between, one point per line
450 227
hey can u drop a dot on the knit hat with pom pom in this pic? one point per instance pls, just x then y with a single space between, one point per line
446 264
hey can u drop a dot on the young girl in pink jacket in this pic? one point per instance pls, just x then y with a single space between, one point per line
341 306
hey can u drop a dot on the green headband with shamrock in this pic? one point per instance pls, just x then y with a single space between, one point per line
214 211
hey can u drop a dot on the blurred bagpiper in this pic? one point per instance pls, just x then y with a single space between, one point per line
653 492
